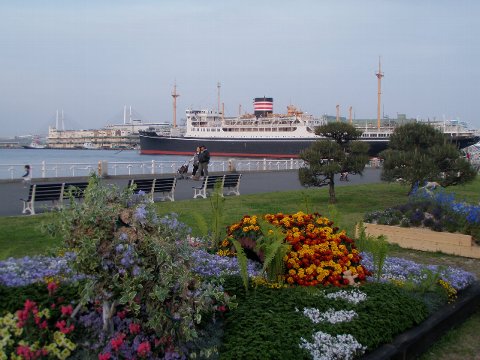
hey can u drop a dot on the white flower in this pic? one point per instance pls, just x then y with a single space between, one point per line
352 296
331 316
328 347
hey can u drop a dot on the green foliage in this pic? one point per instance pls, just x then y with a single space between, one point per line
340 132
132 257
13 298
272 244
387 311
418 153
325 158
217 202
377 246
242 261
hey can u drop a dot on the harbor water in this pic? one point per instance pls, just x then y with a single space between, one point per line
47 163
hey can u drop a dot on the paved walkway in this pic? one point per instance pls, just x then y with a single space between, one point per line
251 183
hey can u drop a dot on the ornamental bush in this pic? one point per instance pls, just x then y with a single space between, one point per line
137 262
318 252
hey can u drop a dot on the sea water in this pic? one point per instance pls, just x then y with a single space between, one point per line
36 156
12 161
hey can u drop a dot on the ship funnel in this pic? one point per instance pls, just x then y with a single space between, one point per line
263 106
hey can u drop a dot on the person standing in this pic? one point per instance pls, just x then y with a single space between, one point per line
203 160
27 177
195 162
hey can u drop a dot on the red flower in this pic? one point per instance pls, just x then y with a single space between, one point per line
134 328
52 287
117 341
143 349
105 356
62 326
122 314
67 310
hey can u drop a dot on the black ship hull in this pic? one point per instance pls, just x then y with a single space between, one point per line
153 144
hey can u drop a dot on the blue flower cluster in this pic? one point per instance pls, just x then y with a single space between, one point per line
206 264
402 269
27 270
447 201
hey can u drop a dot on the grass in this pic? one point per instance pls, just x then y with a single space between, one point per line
20 236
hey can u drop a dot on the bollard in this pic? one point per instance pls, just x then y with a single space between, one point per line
103 168
231 165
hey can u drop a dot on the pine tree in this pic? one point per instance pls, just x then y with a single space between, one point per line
325 158
418 153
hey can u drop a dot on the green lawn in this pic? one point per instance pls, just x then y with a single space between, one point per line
22 235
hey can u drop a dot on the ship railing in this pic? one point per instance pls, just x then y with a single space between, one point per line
46 169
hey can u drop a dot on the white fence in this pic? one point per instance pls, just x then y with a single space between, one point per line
51 170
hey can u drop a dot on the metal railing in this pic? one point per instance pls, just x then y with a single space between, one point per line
45 169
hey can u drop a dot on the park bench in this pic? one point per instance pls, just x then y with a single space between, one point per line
55 193
78 189
165 186
43 192
231 184
208 184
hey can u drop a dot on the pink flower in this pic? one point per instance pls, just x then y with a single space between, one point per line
134 328
67 310
43 324
52 287
29 305
144 349
105 356
62 326
117 341
122 314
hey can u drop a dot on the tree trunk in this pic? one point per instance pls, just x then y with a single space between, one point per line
107 317
331 190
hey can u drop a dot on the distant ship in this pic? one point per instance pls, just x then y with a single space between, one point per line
268 135
35 144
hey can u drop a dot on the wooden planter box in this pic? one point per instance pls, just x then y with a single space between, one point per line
426 239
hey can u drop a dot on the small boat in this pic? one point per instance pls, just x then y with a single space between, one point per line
90 146
35 144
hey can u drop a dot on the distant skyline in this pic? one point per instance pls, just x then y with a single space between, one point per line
90 58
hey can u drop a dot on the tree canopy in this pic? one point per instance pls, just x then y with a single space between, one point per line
325 158
418 153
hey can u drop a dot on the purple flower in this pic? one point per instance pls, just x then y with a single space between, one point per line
140 214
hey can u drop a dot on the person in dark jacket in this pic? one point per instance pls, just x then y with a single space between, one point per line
203 160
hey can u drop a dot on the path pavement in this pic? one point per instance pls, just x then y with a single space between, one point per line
251 183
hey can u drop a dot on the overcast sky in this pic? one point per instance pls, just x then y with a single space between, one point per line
90 58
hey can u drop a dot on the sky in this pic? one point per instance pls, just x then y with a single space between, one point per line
93 57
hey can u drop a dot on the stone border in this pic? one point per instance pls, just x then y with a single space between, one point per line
416 341
426 239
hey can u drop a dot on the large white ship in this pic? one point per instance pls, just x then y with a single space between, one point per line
266 134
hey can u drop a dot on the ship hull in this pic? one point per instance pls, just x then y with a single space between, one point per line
152 144
250 148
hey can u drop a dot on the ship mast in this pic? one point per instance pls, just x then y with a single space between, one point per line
174 96
379 75
218 96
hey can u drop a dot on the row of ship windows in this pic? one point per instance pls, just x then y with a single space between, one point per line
374 135
245 130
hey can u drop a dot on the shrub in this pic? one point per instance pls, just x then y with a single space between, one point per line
134 260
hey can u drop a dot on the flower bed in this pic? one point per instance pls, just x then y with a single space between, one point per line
430 221
318 253
149 291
